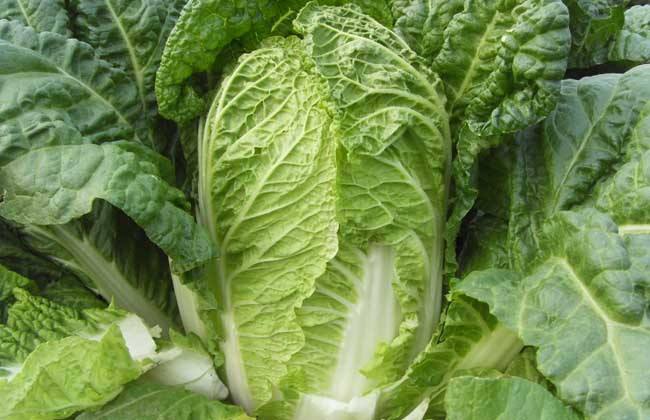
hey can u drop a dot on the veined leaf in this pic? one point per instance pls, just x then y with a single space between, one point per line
124 174
392 177
266 153
41 15
86 100
471 338
582 303
130 35
632 44
422 23
502 62
191 49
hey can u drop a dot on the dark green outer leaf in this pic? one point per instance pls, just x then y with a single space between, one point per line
594 25
192 49
41 15
131 36
85 99
124 174
632 44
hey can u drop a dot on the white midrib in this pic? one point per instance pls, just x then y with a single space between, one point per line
110 281
624 230
234 364
137 71
610 324
372 319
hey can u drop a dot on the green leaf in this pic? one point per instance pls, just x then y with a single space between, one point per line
422 23
69 291
632 43
600 123
57 360
525 366
392 179
146 401
54 185
595 24
191 49
502 62
128 176
64 376
86 100
472 398
266 194
10 280
130 35
471 338
113 257
41 15
582 303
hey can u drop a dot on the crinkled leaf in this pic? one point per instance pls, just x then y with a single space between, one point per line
392 176
599 124
10 280
632 43
266 193
502 62
57 184
474 398
41 15
64 376
130 35
595 24
86 100
191 49
422 23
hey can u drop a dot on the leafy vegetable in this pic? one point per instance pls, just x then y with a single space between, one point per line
359 210
582 298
